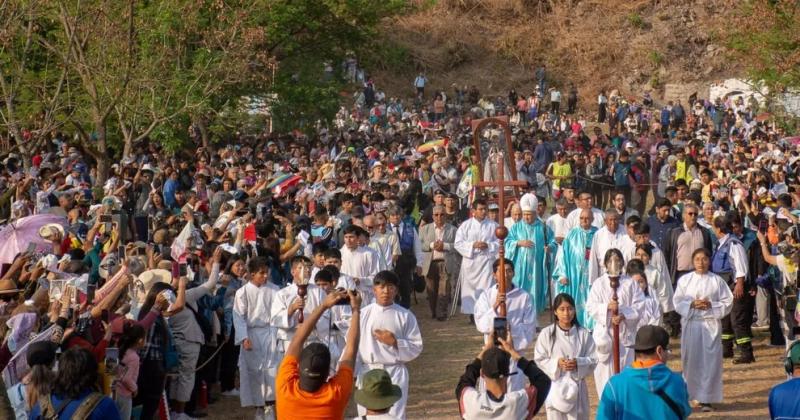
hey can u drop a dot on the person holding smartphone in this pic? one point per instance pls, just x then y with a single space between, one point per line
520 315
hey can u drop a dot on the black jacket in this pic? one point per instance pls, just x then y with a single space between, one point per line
671 246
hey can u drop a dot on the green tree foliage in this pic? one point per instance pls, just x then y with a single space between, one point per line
121 71
766 36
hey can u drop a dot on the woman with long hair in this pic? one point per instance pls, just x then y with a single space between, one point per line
565 352
153 356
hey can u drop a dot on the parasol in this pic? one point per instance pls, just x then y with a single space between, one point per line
427 147
278 180
287 183
15 237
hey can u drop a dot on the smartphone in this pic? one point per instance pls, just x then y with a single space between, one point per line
106 316
111 359
31 248
182 269
105 219
176 270
121 252
500 327
90 289
763 225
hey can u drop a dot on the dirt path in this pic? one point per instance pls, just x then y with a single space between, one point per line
450 345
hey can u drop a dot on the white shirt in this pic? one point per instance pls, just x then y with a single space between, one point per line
286 325
361 263
736 257
598 221
559 225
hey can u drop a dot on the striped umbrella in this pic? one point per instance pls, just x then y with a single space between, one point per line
287 183
278 180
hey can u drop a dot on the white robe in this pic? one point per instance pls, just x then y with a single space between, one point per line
257 367
650 313
656 271
388 247
286 326
362 263
630 298
521 318
575 344
476 264
603 241
373 354
701 333
559 225
598 218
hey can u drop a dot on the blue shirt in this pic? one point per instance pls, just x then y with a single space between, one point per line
105 409
169 192
783 401
633 395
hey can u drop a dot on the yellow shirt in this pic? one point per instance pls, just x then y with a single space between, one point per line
560 170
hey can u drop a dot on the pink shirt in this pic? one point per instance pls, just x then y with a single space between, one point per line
128 373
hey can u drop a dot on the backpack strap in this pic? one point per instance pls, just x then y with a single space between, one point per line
87 406
48 411
670 403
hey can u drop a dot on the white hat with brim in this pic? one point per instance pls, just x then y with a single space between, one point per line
150 277
563 394
51 231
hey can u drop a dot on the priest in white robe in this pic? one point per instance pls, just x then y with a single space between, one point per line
258 358
610 236
520 317
287 306
390 338
702 298
478 246
600 306
565 352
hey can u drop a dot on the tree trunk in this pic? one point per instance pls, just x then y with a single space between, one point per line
202 126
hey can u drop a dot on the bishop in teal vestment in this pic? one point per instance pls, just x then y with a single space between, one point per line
572 264
525 246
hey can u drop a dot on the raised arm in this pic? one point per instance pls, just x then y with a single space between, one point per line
304 329
353 333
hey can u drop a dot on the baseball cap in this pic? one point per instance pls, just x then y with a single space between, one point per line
495 363
649 337
794 354
315 361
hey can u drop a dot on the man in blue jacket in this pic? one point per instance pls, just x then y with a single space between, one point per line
783 401
648 388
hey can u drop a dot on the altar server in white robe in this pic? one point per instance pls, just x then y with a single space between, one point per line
600 305
477 244
359 262
565 352
340 314
333 257
258 358
520 317
702 298
287 306
650 313
612 235
390 338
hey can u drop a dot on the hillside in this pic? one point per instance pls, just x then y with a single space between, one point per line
596 44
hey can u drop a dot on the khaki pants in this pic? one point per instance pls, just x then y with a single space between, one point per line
439 289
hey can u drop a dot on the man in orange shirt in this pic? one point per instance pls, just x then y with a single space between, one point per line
302 387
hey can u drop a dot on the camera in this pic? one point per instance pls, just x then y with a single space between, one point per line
345 300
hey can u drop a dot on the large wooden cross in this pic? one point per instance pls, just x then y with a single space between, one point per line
501 232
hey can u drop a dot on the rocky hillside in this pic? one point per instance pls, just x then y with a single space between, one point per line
596 44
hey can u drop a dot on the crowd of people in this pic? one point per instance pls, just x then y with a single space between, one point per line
281 269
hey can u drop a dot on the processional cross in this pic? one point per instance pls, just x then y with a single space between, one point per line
500 183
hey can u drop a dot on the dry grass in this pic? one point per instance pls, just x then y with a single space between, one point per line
449 346
596 44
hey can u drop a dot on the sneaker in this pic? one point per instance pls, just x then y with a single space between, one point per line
269 412
231 393
706 408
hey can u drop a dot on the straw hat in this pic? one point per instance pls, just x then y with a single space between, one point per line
51 231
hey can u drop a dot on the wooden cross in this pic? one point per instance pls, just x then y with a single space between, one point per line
501 232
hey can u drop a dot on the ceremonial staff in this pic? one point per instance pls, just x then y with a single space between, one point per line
302 291
501 233
614 271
